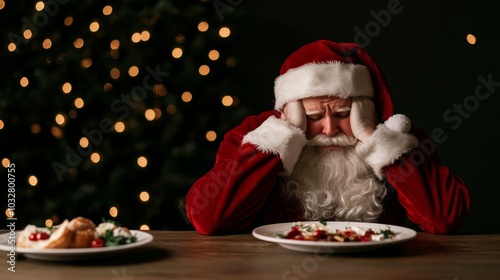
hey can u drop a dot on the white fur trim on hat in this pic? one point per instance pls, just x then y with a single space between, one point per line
277 137
319 79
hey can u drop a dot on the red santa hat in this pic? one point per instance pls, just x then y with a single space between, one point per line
334 69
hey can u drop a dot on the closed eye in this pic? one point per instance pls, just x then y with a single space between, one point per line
342 115
315 117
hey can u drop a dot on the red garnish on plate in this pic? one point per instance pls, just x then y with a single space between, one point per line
321 232
97 243
42 236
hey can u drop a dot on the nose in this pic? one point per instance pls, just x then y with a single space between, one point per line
330 126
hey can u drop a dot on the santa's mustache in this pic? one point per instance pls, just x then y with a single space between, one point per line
339 139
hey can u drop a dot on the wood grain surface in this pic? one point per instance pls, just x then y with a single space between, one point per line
188 255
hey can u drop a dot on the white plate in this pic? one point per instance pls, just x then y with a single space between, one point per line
72 254
269 232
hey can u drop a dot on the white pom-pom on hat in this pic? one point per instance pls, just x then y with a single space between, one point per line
399 123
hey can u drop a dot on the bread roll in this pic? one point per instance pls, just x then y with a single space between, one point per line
83 231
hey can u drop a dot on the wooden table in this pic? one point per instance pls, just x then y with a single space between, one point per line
188 255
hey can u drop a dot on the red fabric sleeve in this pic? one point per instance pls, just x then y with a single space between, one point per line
228 197
434 198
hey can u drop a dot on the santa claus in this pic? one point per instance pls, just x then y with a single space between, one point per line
331 150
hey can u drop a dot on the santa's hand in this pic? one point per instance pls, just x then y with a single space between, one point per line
293 112
363 117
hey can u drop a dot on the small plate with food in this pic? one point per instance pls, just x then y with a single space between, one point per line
333 237
74 239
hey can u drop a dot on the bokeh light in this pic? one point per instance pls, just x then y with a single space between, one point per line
204 70
227 101
213 55
136 37
33 180
95 157
68 21
203 26
114 73
5 162
39 6
78 43
471 39
86 62
56 132
47 43
142 161
186 96
94 26
145 35
150 114
35 128
107 10
84 142
66 88
133 71
12 47
60 119
79 103
119 127
24 82
211 135
160 90
114 45
224 32
144 196
177 52
9 213
113 212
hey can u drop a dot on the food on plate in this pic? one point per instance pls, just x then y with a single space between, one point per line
45 238
110 233
83 232
321 232
80 232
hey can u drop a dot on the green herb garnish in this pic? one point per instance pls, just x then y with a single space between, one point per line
387 233
110 240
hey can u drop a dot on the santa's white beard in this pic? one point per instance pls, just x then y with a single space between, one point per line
335 184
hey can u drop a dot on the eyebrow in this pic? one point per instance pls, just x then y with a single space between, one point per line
316 112
344 109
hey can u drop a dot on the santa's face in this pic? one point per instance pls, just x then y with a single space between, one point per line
329 116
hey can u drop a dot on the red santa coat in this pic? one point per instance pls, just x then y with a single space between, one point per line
241 191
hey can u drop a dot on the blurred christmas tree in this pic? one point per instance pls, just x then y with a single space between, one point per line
112 109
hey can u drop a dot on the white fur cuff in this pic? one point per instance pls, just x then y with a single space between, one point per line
278 137
387 144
